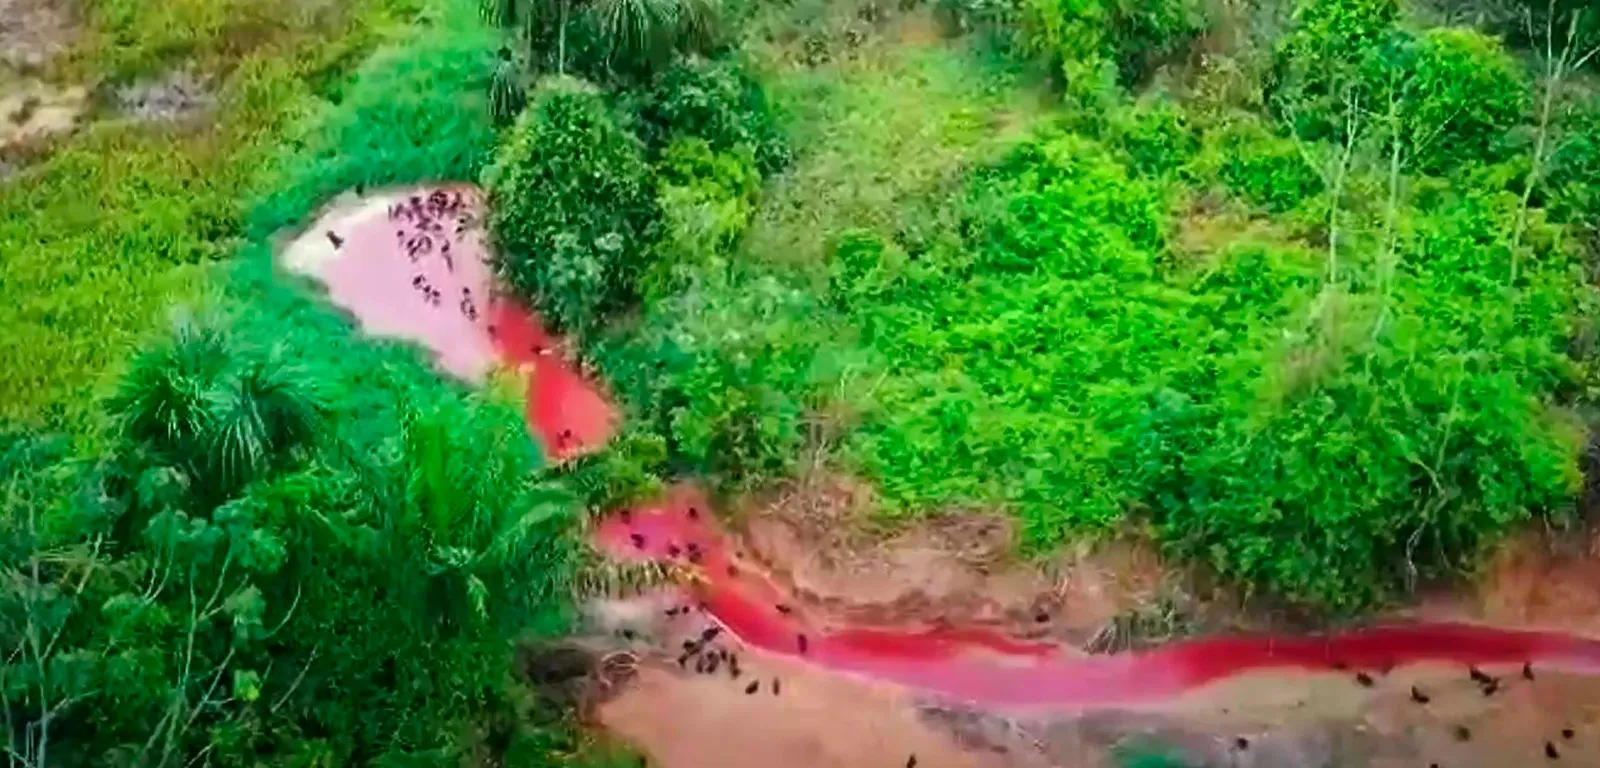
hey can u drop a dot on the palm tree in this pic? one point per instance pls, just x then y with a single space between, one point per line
463 507
622 36
218 413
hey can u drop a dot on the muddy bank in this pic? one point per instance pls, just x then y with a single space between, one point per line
857 648
819 539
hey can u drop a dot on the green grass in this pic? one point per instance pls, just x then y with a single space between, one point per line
882 131
123 220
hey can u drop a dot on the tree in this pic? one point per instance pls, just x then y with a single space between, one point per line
571 209
248 576
599 38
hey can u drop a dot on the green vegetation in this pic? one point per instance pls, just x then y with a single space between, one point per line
124 218
606 39
1307 301
280 544
1318 341
570 208
207 587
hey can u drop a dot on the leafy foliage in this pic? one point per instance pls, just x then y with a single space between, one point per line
1120 40
725 374
608 39
1263 168
715 101
1464 95
1575 163
218 596
570 210
1329 60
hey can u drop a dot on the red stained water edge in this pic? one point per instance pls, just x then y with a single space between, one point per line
569 413
990 668
420 272
417 269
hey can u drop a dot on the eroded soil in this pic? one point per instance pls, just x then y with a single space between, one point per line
805 591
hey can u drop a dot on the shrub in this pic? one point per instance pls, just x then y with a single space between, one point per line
219 422
1330 62
570 208
718 102
1263 168
1126 39
1575 164
1464 94
1349 457
706 200
726 374
1156 137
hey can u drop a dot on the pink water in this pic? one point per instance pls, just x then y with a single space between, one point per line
395 275
990 668
419 272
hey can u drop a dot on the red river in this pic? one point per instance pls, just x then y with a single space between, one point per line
570 415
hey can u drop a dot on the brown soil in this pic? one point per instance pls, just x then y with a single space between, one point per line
955 569
1299 720
1536 581
33 32
818 720
32 111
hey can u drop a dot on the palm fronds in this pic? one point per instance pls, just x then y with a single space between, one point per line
191 406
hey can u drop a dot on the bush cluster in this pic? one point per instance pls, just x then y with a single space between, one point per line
572 213
718 102
1099 44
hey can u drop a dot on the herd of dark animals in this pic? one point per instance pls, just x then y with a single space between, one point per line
707 655
1487 684
425 214
708 659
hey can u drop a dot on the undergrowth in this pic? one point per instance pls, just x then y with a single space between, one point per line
123 218
1354 393
285 544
